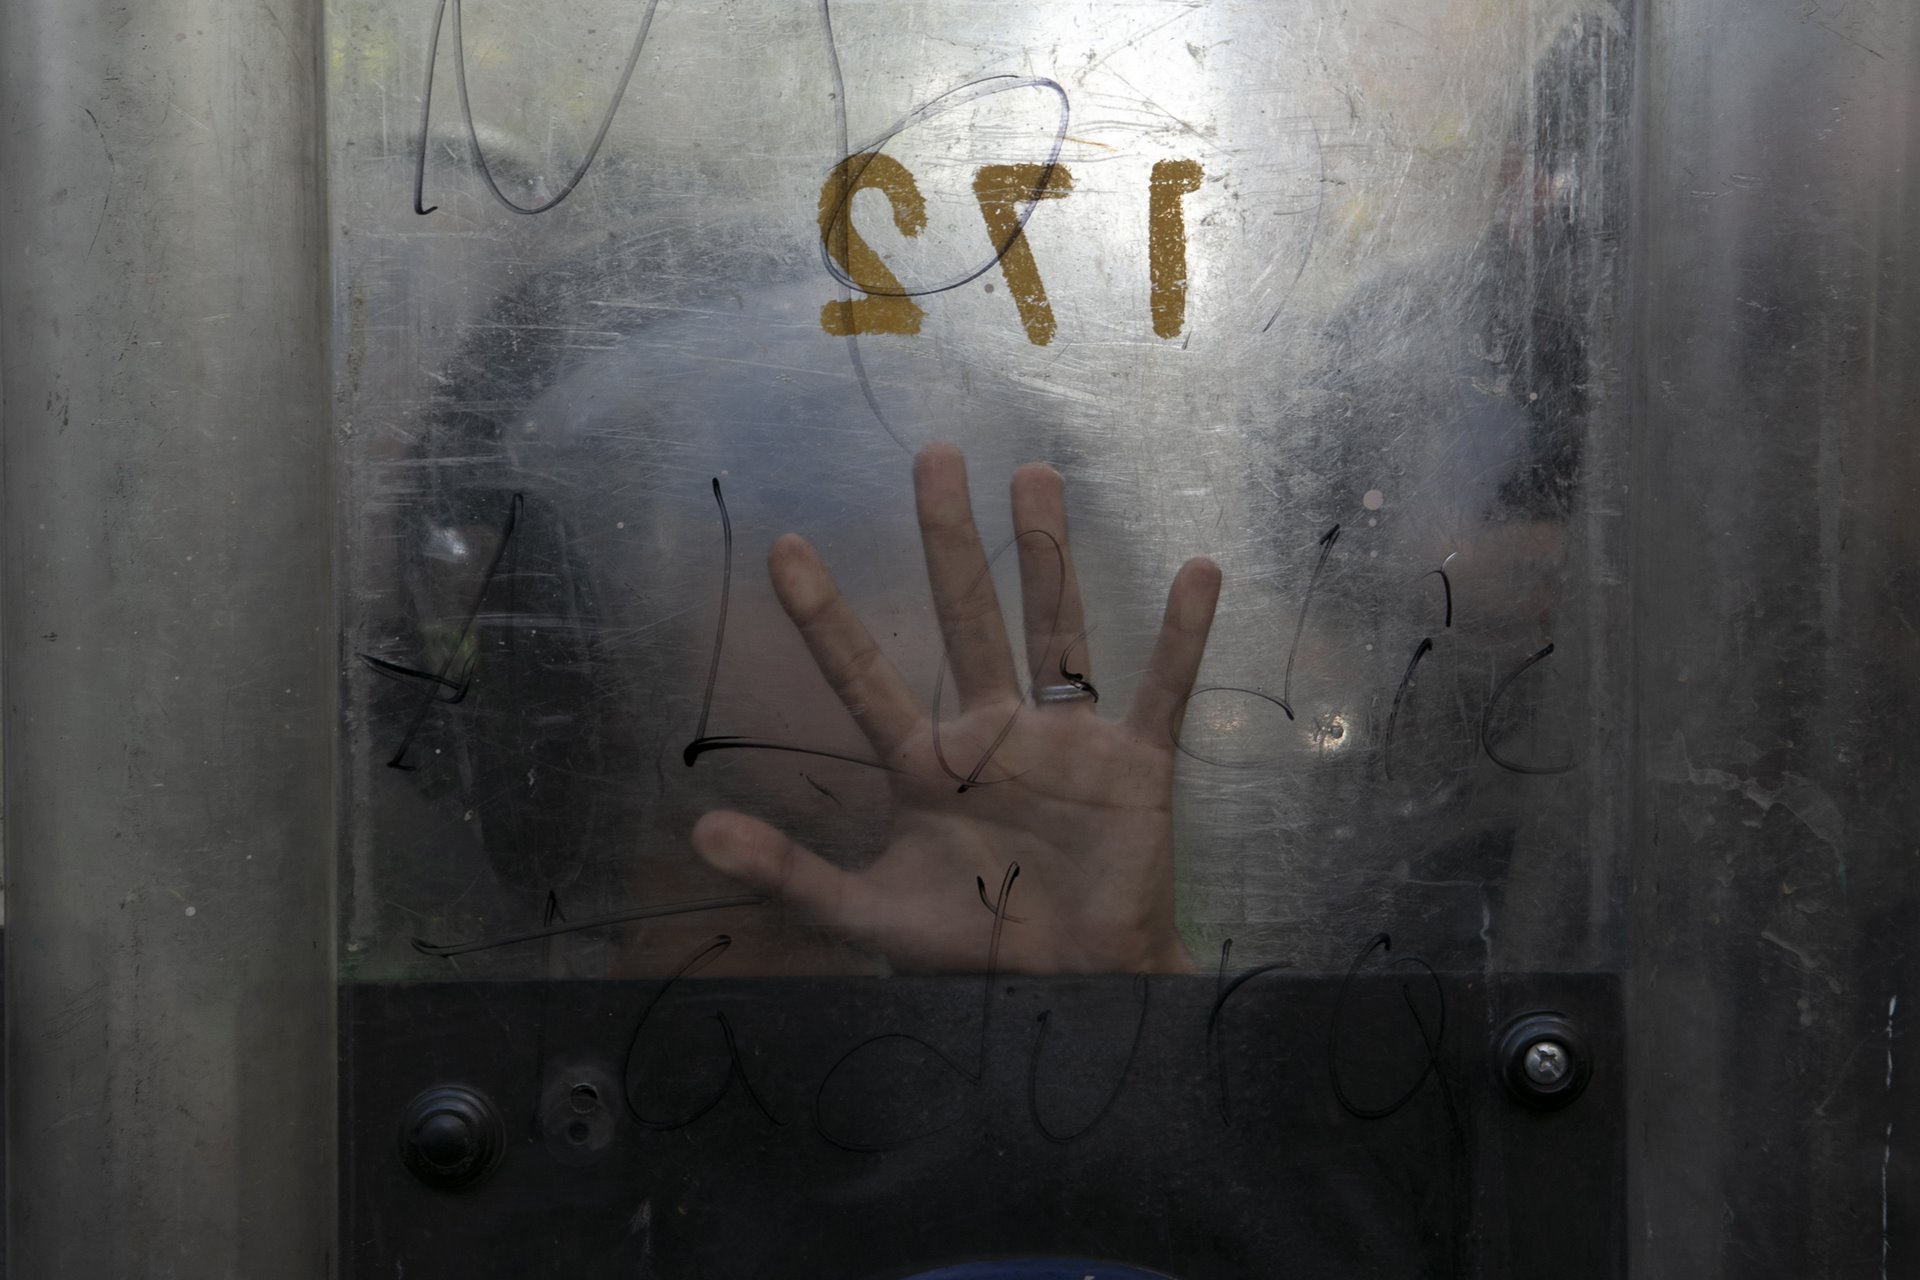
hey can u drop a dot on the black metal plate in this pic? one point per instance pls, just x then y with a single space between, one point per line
1054 1137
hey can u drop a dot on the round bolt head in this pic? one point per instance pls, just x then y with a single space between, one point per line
445 1140
451 1137
1546 1062
1543 1059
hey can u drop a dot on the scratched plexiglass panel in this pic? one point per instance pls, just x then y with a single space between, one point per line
1328 292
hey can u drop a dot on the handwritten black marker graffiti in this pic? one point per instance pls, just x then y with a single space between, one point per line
1223 992
736 1070
731 742
1190 753
458 689
420 205
823 790
1432 1040
972 1078
440 679
596 922
1486 724
1078 679
1406 682
1140 988
1327 540
702 741
971 779
720 626
473 132
981 884
1446 585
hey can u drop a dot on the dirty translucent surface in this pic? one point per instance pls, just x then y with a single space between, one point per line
1297 266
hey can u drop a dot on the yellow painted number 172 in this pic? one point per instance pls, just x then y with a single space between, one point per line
888 307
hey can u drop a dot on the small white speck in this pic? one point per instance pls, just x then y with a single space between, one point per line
1373 555
1369 648
1373 499
619 524
191 911
1372 523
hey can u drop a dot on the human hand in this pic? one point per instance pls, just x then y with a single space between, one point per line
1083 805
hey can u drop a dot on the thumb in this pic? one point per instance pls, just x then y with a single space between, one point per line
764 858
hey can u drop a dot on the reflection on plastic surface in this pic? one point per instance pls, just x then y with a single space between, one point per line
1329 299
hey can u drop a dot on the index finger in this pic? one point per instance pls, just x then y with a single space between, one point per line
842 648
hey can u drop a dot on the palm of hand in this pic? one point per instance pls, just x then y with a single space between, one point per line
1081 806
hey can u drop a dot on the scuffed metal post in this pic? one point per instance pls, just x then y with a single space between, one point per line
168 624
